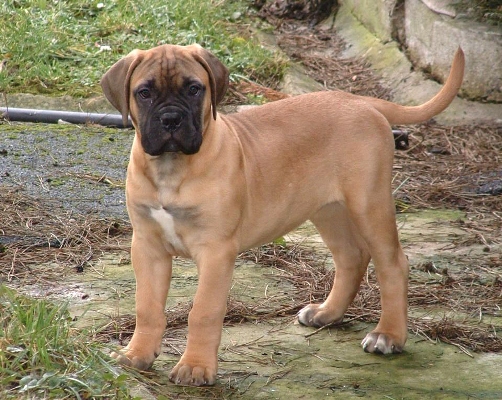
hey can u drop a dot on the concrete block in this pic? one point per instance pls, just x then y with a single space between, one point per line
419 24
409 87
432 38
483 52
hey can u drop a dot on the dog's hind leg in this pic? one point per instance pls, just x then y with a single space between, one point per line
351 259
374 215
352 236
391 267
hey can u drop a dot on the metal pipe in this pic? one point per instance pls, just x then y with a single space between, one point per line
53 117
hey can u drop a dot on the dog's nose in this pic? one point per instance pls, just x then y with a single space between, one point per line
171 119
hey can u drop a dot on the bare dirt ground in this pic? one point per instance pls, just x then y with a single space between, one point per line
64 234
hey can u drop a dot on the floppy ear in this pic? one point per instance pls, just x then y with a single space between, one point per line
218 75
116 82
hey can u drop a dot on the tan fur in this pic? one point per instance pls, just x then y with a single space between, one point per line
325 157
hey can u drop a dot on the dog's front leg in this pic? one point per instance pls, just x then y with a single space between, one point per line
199 363
153 269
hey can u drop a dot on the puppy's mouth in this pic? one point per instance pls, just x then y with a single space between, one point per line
171 147
172 144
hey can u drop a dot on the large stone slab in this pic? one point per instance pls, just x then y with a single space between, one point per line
432 37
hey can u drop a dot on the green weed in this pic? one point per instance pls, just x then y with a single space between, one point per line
65 46
43 356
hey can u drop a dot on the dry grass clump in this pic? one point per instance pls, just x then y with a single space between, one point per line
458 167
36 233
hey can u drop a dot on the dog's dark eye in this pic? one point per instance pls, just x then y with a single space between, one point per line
144 93
194 90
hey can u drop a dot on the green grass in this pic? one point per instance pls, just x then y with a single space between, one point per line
43 356
58 47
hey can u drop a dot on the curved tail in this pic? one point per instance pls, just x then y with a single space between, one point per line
398 114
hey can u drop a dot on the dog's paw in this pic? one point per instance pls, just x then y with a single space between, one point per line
381 343
134 359
316 316
192 375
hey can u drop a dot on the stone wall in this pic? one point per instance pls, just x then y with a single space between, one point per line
431 30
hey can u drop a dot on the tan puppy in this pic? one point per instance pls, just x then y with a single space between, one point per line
207 186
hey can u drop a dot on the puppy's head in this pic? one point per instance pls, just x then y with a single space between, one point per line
169 91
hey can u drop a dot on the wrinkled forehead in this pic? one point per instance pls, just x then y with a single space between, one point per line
166 68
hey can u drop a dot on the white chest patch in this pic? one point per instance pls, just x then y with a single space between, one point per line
167 222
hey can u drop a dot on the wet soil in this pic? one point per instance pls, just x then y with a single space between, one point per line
77 168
